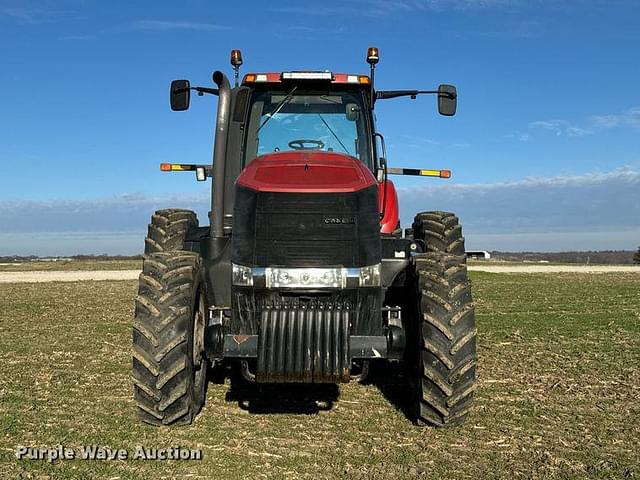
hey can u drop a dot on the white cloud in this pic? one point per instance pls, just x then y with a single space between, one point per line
607 239
560 128
376 8
164 25
127 212
555 213
79 37
413 5
595 123
72 243
630 118
147 26
415 141
520 136
25 15
568 204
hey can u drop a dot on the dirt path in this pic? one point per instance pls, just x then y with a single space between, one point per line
68 276
82 275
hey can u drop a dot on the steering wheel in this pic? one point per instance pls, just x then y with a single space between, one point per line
300 144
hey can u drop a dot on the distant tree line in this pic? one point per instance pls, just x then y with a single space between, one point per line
35 258
104 256
603 257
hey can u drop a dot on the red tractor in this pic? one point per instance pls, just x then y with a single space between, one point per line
304 275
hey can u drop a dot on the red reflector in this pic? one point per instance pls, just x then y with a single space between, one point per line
165 167
445 173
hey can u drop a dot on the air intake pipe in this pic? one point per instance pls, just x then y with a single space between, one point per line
219 154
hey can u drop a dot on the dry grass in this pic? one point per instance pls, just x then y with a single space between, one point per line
558 394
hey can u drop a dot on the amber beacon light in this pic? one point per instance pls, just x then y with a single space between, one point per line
236 61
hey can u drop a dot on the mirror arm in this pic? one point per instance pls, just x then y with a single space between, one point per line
201 90
384 94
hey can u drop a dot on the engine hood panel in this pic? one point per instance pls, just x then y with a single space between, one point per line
306 172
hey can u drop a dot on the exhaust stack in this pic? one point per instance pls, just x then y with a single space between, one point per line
219 154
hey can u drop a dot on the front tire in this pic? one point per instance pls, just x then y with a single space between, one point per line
445 367
443 359
169 367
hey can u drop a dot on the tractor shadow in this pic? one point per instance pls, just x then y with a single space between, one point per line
391 381
309 399
281 398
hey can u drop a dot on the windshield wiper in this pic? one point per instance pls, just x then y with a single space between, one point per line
334 134
282 103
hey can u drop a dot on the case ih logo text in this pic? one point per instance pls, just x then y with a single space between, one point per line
339 220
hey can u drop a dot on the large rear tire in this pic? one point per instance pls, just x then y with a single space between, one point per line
168 229
443 359
440 232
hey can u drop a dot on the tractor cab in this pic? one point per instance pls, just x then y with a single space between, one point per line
308 111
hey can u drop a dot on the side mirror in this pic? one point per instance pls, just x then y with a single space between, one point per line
447 100
353 112
180 95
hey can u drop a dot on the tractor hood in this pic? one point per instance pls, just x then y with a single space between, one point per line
306 172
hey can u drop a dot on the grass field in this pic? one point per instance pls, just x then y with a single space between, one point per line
558 395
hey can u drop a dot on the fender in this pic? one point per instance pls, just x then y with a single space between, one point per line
389 222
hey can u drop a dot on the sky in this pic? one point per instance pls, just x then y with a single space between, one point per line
544 150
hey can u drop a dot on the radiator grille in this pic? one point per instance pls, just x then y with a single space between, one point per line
306 230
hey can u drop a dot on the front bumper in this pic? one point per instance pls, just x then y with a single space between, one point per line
361 347
306 344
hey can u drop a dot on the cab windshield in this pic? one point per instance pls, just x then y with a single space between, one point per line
295 120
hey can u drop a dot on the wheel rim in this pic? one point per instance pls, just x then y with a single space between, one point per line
415 370
198 339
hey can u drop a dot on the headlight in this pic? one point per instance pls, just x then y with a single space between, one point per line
370 276
278 277
305 277
241 275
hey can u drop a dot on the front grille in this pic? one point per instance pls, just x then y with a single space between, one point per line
306 229
309 345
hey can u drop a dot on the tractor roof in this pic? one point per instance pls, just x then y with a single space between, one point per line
305 76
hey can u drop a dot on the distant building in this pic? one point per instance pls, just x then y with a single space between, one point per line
478 254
